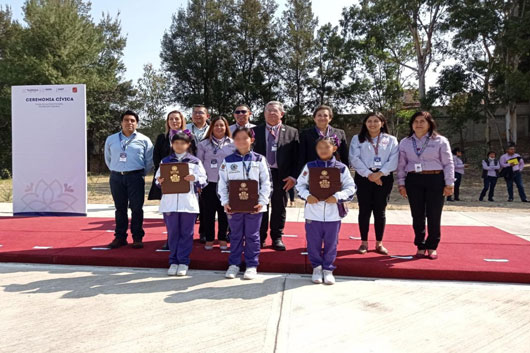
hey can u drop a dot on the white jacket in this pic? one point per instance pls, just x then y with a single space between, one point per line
188 202
234 167
322 211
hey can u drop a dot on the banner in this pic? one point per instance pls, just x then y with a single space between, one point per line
49 150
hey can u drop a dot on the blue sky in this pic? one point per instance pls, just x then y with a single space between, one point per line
144 24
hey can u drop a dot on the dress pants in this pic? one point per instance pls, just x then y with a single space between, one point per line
426 200
128 191
518 179
212 205
489 183
373 198
276 209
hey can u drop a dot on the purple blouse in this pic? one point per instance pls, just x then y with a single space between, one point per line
436 155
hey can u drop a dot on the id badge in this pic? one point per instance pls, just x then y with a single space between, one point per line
123 157
274 147
377 162
213 164
418 168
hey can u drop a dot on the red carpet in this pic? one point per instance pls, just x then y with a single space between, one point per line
463 250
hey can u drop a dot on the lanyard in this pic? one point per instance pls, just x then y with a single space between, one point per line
217 144
245 168
418 153
126 143
376 145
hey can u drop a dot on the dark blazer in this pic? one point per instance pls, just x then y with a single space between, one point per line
287 153
308 142
161 150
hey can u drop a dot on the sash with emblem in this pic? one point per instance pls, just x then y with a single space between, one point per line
324 182
173 174
243 195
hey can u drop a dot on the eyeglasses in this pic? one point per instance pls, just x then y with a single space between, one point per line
240 111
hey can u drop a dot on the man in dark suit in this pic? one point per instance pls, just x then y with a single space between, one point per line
308 137
279 143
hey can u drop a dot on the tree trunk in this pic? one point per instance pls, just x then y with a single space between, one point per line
511 123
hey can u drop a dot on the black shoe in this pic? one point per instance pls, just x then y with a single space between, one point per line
491 200
165 247
202 239
457 199
510 200
278 245
481 199
450 199
117 243
137 244
524 200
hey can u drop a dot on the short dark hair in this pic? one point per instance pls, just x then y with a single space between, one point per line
243 105
323 107
201 106
183 136
364 134
456 150
130 112
249 132
490 152
209 133
427 116
511 144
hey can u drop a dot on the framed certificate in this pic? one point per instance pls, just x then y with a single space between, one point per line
243 195
324 182
173 174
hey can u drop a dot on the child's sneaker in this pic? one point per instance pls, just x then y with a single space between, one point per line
232 271
182 270
328 277
250 273
317 275
172 270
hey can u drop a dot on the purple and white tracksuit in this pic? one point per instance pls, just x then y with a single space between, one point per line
244 227
323 219
180 210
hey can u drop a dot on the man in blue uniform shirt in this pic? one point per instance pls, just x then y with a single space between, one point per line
129 156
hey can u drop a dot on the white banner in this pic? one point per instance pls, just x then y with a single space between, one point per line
49 150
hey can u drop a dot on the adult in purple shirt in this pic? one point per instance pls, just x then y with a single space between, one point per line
217 144
490 173
425 176
512 165
459 173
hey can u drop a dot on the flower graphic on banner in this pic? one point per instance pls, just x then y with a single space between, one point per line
49 196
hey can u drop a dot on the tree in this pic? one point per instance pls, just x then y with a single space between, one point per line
493 37
61 44
408 31
152 95
298 31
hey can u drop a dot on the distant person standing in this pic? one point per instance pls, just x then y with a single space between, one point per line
199 125
512 165
425 176
459 173
242 115
490 173
129 156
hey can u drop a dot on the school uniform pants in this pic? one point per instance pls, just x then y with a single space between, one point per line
211 206
458 181
180 227
276 209
518 179
426 200
322 233
372 198
128 191
489 183
244 238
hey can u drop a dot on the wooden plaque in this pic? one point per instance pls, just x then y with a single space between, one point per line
324 182
243 195
173 174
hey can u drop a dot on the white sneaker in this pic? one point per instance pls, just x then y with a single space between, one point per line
232 271
182 270
250 273
328 277
317 275
172 270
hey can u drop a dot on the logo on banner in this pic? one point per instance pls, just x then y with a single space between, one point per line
74 89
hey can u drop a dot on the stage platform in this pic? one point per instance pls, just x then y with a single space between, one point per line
466 253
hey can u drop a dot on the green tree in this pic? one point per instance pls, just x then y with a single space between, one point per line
61 44
298 51
152 96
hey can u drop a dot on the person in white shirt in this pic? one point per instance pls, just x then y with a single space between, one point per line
180 210
323 217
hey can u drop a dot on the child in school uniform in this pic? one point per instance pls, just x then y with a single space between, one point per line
323 218
244 164
180 210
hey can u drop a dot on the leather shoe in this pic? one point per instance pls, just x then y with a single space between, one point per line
278 245
137 245
117 243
